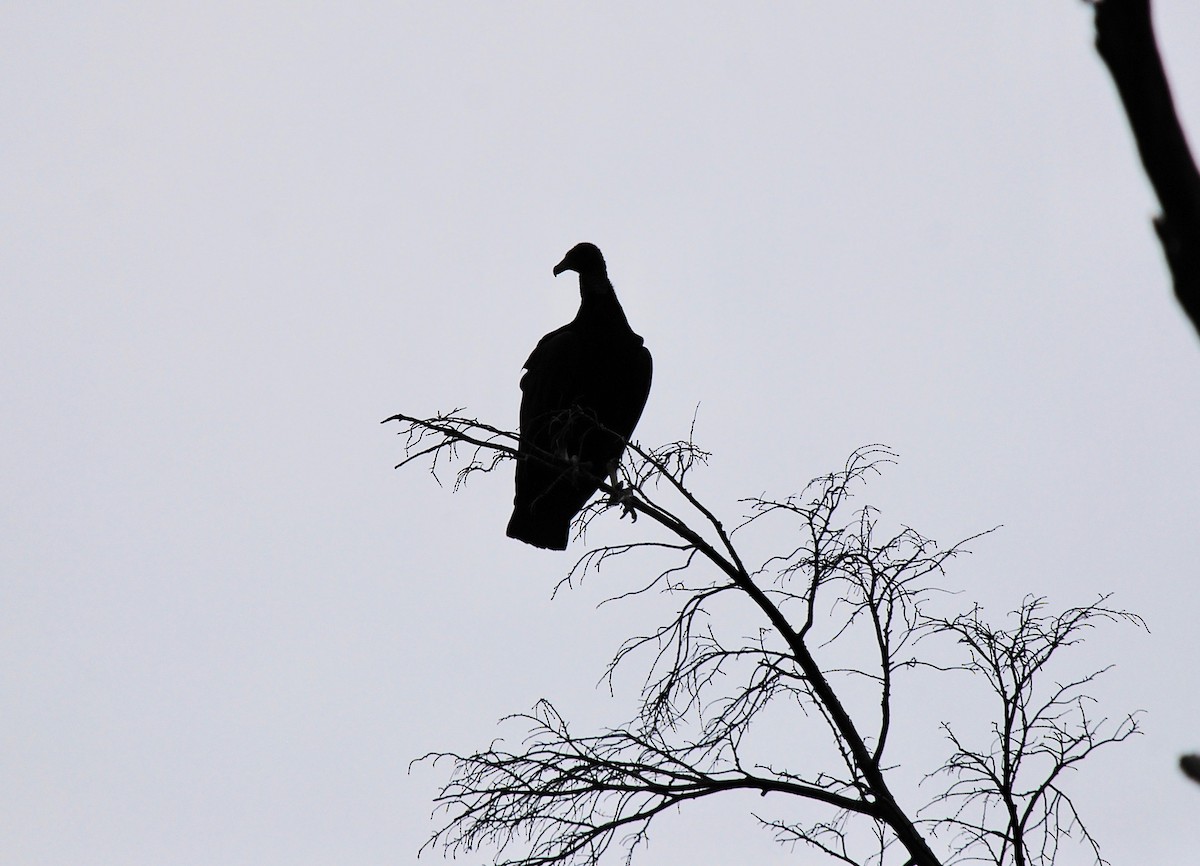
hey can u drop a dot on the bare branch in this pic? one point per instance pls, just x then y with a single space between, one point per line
1125 41
1006 794
711 678
567 798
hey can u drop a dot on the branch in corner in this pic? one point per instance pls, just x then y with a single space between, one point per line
1125 41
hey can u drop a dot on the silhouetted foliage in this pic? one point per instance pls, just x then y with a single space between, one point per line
847 611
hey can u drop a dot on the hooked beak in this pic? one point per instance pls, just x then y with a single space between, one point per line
560 267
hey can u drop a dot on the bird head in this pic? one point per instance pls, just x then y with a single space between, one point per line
582 258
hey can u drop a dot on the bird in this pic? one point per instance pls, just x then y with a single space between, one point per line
584 388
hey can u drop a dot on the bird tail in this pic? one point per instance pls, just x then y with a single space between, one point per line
538 530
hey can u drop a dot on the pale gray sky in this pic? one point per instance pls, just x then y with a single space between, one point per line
236 236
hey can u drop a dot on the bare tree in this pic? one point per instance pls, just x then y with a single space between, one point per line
845 612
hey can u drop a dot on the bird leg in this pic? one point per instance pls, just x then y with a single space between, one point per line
621 495
574 464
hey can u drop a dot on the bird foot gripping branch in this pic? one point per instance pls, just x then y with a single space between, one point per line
622 497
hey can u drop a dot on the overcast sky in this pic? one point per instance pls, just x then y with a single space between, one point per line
233 237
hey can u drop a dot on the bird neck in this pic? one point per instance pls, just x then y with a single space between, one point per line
597 298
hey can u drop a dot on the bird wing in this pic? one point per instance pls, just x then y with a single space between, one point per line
639 385
628 387
550 383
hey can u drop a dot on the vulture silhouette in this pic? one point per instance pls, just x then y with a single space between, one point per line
584 388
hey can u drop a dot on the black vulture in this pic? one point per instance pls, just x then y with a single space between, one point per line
582 393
